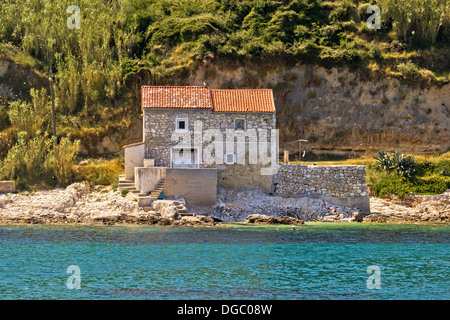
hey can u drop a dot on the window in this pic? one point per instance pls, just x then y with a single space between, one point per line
230 158
239 124
182 124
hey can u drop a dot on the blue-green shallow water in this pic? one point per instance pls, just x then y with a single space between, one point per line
318 261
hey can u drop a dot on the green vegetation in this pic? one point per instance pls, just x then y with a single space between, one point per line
121 45
39 161
99 171
402 164
35 157
402 174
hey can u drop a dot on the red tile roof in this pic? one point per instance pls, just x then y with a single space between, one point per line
243 100
176 97
219 100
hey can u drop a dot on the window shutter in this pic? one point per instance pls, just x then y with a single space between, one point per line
230 158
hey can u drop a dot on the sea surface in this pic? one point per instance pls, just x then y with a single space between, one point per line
316 261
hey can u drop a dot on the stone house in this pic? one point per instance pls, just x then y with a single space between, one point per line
196 139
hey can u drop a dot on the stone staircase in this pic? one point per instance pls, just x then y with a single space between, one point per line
158 189
144 200
127 184
181 210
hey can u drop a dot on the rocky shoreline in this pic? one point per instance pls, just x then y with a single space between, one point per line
81 204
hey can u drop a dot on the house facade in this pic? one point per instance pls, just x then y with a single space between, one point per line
195 128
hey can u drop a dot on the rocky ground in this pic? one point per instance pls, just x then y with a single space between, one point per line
237 205
412 209
81 204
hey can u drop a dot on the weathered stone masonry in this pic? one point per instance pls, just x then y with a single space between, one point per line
160 124
343 185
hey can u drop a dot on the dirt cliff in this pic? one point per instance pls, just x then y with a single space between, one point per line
345 111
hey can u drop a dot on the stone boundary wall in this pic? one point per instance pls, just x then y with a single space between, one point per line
337 184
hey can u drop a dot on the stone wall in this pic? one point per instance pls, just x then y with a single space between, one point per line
196 186
242 177
210 132
342 185
147 178
134 157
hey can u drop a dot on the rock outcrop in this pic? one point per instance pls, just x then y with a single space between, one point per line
417 208
344 111
263 219
236 206
79 204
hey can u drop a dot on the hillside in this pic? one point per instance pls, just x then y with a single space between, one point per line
337 83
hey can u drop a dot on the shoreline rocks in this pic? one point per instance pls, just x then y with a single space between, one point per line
412 209
81 204
233 206
264 219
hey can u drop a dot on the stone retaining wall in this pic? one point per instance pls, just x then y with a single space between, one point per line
197 186
342 185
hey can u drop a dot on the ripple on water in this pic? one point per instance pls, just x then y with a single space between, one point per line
318 261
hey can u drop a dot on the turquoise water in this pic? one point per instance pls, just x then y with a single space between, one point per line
317 261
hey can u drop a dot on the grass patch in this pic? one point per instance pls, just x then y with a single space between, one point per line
100 171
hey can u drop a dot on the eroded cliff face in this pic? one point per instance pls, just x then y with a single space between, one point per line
341 111
338 110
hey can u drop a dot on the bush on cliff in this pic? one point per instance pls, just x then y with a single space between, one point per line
403 164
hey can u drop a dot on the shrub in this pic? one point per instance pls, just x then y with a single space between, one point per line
31 117
100 172
392 185
307 50
60 160
431 185
445 172
362 11
408 69
416 19
374 52
39 161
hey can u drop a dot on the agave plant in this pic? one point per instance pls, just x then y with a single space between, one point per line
384 161
404 165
